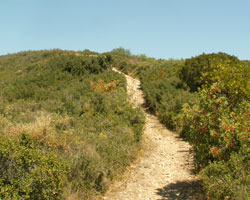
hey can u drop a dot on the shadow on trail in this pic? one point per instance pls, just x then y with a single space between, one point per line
184 190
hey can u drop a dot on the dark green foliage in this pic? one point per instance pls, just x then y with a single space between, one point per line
228 180
164 92
218 129
221 117
74 111
195 72
121 51
79 65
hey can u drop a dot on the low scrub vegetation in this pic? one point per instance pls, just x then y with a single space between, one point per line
66 127
164 91
67 130
218 126
207 100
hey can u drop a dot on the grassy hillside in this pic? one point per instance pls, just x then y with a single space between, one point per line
66 127
67 130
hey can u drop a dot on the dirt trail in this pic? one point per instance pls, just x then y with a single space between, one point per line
163 171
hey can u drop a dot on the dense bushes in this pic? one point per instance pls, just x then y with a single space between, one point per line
218 130
27 172
164 92
196 71
214 128
216 119
80 65
213 116
228 179
66 126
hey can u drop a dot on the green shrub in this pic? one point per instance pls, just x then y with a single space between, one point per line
27 172
79 65
214 130
165 93
196 71
121 51
229 180
218 129
221 118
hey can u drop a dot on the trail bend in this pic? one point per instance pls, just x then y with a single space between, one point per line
164 170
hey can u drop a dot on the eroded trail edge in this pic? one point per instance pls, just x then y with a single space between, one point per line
163 171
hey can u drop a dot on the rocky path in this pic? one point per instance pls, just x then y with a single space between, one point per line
163 171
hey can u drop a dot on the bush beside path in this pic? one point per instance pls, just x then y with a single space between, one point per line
164 170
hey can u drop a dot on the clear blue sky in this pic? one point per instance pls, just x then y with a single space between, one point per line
157 28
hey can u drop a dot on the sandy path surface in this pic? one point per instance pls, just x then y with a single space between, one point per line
163 171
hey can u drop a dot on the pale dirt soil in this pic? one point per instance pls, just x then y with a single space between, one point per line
164 169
